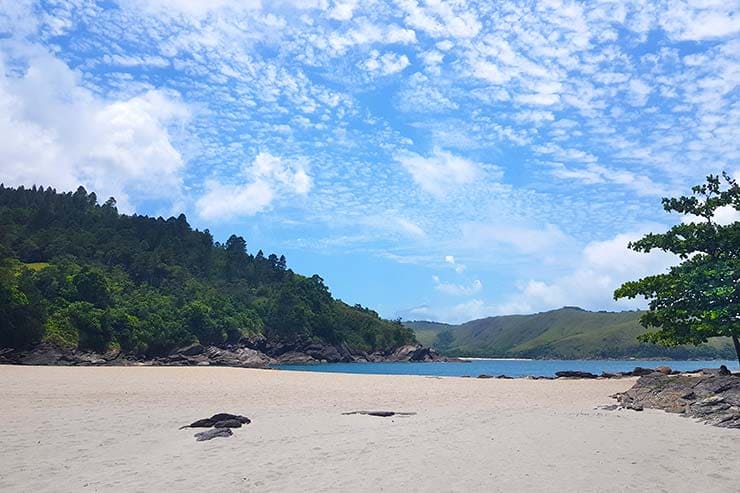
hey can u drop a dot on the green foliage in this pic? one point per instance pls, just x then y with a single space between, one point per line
96 279
21 311
567 333
700 297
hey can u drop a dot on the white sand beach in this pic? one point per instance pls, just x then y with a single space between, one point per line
116 429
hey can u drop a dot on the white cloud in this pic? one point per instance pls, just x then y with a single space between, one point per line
342 11
55 132
440 172
722 216
457 289
601 268
269 177
459 268
697 21
524 239
387 63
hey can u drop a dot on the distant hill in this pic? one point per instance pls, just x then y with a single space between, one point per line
568 333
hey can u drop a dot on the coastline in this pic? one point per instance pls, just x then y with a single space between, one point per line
87 427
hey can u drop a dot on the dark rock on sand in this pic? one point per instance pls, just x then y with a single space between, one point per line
574 374
224 419
225 416
714 399
228 423
483 375
213 433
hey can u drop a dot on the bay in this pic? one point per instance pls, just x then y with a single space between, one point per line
509 367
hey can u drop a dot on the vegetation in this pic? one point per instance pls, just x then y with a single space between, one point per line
80 274
568 333
700 297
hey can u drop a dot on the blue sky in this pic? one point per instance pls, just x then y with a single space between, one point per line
432 160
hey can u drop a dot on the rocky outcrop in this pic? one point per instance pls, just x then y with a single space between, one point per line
249 353
714 399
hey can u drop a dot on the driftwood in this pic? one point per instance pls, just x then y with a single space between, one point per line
382 414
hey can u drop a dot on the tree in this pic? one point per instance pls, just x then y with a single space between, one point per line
700 297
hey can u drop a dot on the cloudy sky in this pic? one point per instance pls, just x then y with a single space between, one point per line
431 159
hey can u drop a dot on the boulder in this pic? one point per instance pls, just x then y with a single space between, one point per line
638 372
225 420
213 433
483 375
228 423
665 370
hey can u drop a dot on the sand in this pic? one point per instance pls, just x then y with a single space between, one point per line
116 429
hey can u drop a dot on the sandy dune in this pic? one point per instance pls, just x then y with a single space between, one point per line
116 429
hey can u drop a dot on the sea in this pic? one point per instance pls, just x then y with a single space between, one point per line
509 367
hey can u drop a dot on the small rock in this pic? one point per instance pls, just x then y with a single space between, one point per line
723 370
228 423
214 433
574 374
224 416
483 375
665 370
640 372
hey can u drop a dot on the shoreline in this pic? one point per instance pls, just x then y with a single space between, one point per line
89 426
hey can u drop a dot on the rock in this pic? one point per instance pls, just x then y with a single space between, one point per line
665 370
213 433
505 377
191 350
723 370
225 419
714 399
228 423
483 375
610 407
574 374
610 375
226 416
296 358
639 371
201 423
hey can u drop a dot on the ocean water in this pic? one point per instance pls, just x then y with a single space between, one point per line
510 367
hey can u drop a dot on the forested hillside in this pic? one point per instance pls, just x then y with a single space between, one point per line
79 274
569 333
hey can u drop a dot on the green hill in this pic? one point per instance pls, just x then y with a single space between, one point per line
79 274
569 333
